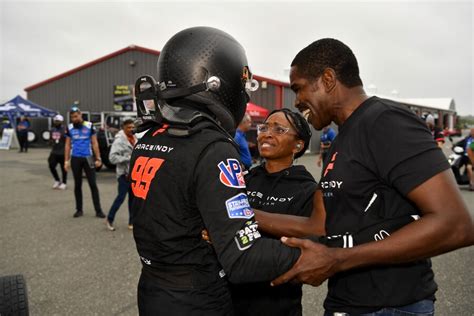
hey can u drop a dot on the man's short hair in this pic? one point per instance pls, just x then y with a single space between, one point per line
246 118
312 60
127 121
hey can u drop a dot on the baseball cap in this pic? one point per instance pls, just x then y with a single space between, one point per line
430 119
74 108
59 118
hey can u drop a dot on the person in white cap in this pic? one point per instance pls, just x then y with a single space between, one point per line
57 140
437 132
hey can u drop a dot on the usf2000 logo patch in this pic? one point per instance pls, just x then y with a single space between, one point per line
238 207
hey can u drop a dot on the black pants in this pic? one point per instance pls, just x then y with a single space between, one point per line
77 165
156 299
23 140
53 161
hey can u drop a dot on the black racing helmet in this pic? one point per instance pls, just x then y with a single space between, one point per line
207 55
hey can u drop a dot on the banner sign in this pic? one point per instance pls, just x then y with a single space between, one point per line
7 137
123 98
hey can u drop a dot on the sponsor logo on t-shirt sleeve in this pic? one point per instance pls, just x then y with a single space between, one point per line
238 207
231 173
247 236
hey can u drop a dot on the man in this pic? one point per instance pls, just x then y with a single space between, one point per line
186 177
467 160
80 138
437 132
373 174
241 140
120 155
57 140
470 154
327 138
22 129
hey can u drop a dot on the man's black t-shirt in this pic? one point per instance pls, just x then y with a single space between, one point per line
58 139
382 152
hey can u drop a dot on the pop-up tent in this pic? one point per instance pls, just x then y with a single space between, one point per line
19 106
256 111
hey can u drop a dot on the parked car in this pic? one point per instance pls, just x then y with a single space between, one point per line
452 132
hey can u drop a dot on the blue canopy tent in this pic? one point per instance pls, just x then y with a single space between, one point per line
19 106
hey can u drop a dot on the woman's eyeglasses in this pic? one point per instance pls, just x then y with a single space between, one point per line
274 129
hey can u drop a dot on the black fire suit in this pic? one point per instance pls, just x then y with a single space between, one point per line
185 179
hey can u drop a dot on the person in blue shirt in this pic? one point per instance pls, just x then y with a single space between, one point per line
465 143
327 138
22 129
241 140
81 138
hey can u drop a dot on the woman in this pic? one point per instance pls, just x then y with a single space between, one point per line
277 186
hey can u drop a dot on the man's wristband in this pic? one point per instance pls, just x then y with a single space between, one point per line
98 159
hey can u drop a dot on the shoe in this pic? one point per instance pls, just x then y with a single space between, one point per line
109 225
62 186
78 214
100 214
56 184
130 226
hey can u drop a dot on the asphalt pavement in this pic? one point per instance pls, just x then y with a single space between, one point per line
75 266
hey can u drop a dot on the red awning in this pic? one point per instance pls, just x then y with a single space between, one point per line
256 111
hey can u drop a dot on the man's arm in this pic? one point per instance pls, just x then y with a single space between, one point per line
296 226
470 154
439 137
320 159
220 197
95 148
299 226
117 154
445 225
67 153
322 147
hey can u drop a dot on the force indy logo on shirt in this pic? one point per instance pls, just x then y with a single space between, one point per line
231 173
330 165
266 200
151 147
327 184
246 236
238 207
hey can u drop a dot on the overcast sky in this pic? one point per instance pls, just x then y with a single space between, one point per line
422 49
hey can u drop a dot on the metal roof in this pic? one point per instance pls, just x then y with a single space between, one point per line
443 104
122 51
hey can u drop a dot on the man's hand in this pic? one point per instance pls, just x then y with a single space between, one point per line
315 264
205 236
98 163
66 165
